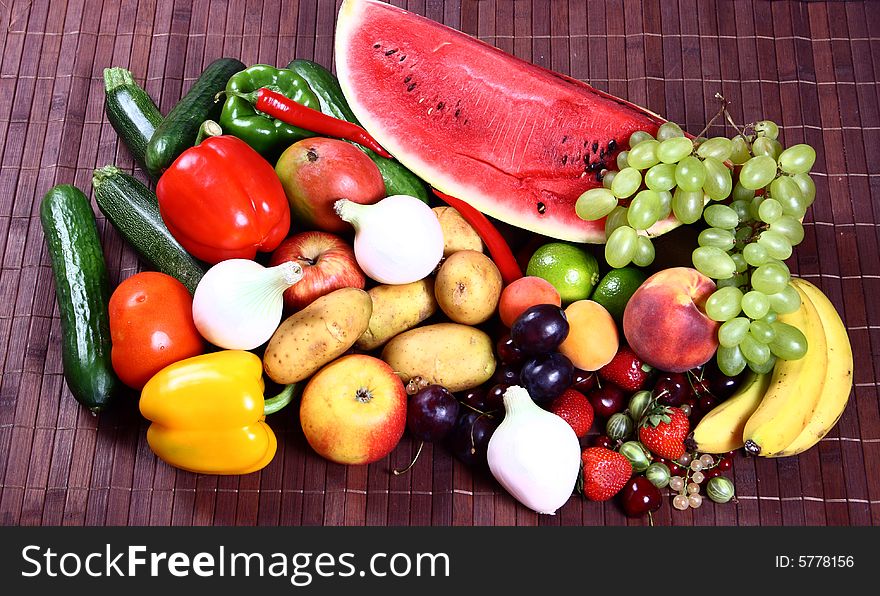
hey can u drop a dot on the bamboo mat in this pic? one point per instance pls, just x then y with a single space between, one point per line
811 67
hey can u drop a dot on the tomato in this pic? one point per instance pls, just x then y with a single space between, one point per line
151 326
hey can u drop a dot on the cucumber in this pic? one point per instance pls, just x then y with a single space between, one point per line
133 210
132 113
178 131
83 292
398 179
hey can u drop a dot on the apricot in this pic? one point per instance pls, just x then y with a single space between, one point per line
592 337
524 293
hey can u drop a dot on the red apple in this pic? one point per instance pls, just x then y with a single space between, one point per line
353 411
328 264
316 172
665 320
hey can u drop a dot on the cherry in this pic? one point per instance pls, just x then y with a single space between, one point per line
583 381
639 497
720 385
506 373
706 402
607 400
672 389
724 464
508 353
495 397
475 398
603 441
711 473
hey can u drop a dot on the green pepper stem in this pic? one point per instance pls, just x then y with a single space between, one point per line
273 404
209 128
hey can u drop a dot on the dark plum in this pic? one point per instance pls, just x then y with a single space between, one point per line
505 373
469 438
545 377
539 329
431 413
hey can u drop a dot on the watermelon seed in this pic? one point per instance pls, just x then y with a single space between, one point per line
612 145
586 143
565 138
411 87
389 52
595 146
457 112
407 79
402 57
564 159
441 105
541 208
377 46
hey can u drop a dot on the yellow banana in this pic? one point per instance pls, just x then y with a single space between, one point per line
838 382
795 388
721 430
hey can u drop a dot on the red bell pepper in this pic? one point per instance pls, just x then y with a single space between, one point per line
221 200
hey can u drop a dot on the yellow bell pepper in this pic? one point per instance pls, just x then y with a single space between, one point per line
208 414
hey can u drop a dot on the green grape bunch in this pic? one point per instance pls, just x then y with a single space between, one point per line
752 213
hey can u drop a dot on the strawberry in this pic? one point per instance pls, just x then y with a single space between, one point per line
664 430
604 473
626 370
574 407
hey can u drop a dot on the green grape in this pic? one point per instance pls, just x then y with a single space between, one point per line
643 155
741 208
770 279
699 141
730 282
608 178
675 149
733 331
789 227
754 351
595 204
730 360
622 158
718 148
724 304
713 262
690 174
687 206
767 128
661 177
741 193
758 172
807 186
785 302
741 236
780 265
785 190
718 183
755 254
739 153
621 247
776 245
644 209
644 255
761 331
721 216
767 146
669 130
639 136
665 203
755 304
766 367
797 159
626 182
769 211
615 219
770 316
739 261
789 342
755 205
717 237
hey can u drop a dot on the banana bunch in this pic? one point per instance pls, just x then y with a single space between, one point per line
790 409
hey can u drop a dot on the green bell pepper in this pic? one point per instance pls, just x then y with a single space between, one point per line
268 136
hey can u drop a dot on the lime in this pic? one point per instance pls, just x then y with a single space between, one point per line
571 270
616 288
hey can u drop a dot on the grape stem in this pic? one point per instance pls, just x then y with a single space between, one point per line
718 114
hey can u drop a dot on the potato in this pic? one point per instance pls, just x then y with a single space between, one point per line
457 233
396 309
316 335
468 287
455 356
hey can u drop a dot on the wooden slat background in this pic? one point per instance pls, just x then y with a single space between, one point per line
812 67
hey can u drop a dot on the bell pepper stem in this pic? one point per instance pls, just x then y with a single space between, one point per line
209 128
273 404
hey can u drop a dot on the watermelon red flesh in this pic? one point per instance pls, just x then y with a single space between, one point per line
518 142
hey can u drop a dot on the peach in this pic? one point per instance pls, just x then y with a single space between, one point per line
665 320
592 339
524 293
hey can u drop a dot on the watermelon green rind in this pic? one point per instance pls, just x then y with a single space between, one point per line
518 142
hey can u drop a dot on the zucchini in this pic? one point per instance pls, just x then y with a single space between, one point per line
398 179
132 113
178 131
83 292
133 210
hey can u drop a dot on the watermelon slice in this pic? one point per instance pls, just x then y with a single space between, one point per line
518 142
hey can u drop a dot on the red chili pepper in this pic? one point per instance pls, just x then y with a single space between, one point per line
498 248
278 106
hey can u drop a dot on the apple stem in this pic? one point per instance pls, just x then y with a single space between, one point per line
412 463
